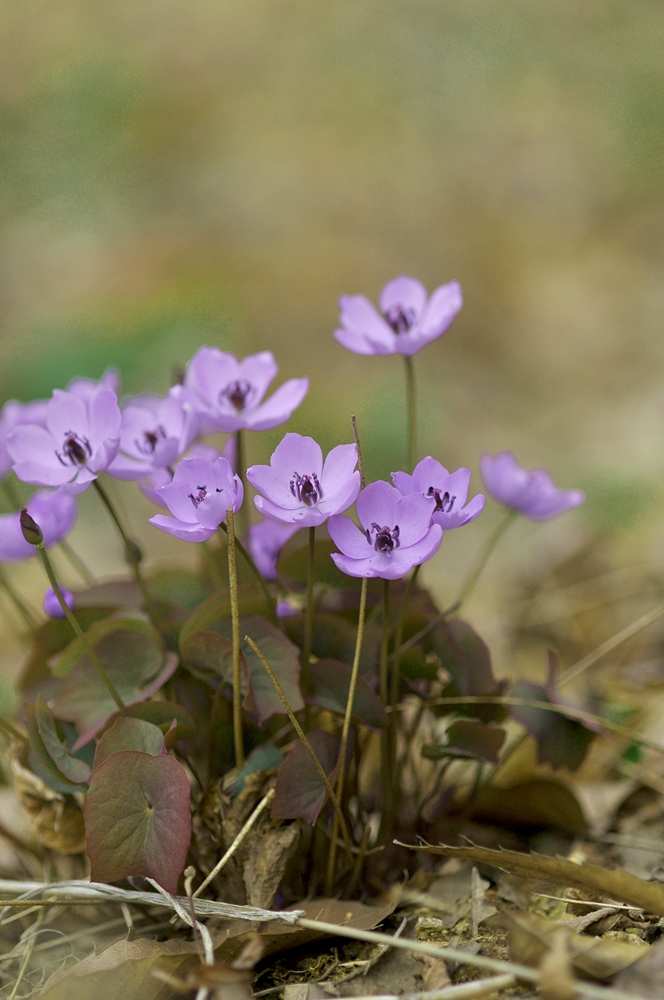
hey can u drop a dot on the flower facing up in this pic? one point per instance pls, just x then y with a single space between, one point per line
52 605
54 511
298 488
397 533
198 497
154 434
266 540
449 490
81 438
407 320
530 492
228 393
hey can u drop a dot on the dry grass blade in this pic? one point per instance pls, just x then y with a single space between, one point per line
265 801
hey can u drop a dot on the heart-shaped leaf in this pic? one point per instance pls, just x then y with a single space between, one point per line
251 600
132 640
208 656
159 713
58 762
470 739
137 818
330 683
129 734
299 791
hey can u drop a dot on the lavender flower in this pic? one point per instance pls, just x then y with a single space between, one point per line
154 434
84 388
397 533
54 511
407 322
449 490
198 497
531 493
266 540
162 477
52 605
297 488
80 440
228 393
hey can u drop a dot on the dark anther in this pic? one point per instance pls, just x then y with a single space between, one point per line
74 450
237 392
386 538
400 318
200 496
444 503
307 489
148 445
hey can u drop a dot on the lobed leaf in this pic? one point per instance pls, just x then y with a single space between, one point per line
159 713
282 656
208 656
299 791
132 640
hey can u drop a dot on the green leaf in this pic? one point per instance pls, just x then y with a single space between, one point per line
138 818
54 757
471 739
208 656
293 566
50 639
330 683
129 734
262 758
159 713
334 639
299 791
217 607
130 638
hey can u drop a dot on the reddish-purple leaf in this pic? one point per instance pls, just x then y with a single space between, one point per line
49 749
159 713
561 742
299 791
468 738
282 656
208 656
129 734
466 658
330 682
138 818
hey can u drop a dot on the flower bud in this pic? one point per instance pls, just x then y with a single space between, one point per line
133 554
31 530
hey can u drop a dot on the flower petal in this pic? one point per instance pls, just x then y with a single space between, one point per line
377 502
413 515
278 407
297 455
347 536
259 370
441 310
181 529
209 372
405 292
66 413
360 318
105 419
338 468
459 516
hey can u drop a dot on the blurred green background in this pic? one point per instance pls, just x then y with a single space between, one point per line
177 173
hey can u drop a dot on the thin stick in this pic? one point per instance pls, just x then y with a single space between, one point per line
77 628
332 857
307 746
235 625
484 555
412 413
28 955
264 802
131 549
359 861
610 644
22 608
309 620
77 562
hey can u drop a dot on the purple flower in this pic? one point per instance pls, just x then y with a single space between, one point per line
449 490
162 477
407 322
287 610
266 540
297 488
198 497
80 440
532 493
398 533
55 513
84 388
228 393
13 414
154 434
52 604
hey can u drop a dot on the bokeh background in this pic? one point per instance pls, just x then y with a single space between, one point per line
176 173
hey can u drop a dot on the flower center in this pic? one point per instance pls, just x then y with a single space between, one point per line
201 494
307 489
400 318
150 439
386 538
237 393
444 502
75 450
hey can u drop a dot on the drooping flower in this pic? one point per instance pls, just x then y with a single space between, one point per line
397 533
228 393
52 605
530 492
162 477
449 490
54 511
407 321
154 434
266 540
198 497
298 488
80 440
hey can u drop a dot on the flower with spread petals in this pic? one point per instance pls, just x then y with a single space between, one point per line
52 605
449 490
530 492
154 434
54 511
162 477
397 533
80 440
228 394
298 488
266 540
198 497
407 320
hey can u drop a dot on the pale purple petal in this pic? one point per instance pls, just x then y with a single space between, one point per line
347 536
346 495
359 318
428 473
259 370
405 484
413 515
286 610
532 493
442 308
377 503
54 512
13 546
359 344
65 414
181 529
296 454
177 496
212 511
406 293
303 517
338 467
266 539
459 516
272 484
105 418
85 387
209 372
278 407
33 450
79 485
150 486
52 606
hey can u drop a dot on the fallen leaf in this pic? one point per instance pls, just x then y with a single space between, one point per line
434 973
264 860
541 802
556 980
645 977
57 820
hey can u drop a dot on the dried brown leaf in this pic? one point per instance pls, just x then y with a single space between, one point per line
645 977
265 857
434 973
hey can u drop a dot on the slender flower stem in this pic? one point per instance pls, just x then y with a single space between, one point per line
483 558
412 413
331 864
255 570
385 747
76 561
77 628
239 466
383 689
235 625
22 608
309 620
132 553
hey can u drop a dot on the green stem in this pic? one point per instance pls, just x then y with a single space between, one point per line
24 611
332 857
132 552
412 413
76 561
383 689
385 747
235 625
239 465
77 628
484 555
309 620
257 573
